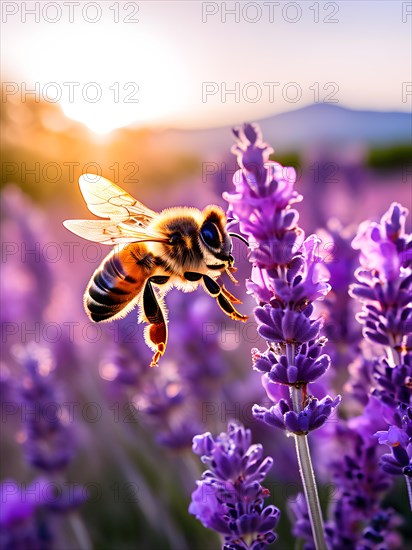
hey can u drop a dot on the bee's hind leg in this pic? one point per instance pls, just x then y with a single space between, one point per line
156 332
232 299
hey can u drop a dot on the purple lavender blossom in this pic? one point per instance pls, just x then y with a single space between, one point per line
312 417
301 522
16 504
48 442
25 512
359 482
384 280
380 533
361 381
385 289
287 276
120 366
25 278
393 385
399 440
341 328
308 365
357 518
48 438
230 498
21 525
166 401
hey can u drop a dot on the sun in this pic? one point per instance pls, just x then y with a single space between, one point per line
107 76
139 90
106 114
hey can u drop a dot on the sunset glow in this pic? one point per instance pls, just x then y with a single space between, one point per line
101 81
140 92
110 65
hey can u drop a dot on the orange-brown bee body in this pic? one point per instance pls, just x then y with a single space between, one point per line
117 282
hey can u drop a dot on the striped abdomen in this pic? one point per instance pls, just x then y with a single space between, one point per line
117 282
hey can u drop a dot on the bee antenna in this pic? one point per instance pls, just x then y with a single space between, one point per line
240 238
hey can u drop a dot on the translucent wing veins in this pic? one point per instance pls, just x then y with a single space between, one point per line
125 220
106 200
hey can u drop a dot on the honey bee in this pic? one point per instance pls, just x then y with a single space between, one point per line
179 247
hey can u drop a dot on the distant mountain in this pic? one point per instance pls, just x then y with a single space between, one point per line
318 124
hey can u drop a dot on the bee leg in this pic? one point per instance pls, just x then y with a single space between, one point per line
156 332
229 272
223 298
230 296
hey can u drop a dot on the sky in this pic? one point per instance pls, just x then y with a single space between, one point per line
195 64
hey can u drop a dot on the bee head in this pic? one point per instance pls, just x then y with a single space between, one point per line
193 237
213 234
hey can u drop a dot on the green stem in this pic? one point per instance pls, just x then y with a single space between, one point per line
77 526
310 489
409 488
80 531
305 467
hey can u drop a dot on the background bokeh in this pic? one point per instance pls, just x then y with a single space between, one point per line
128 427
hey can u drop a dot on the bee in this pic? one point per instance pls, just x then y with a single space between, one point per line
180 247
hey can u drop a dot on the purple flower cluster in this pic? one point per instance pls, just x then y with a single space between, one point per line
378 535
287 277
309 363
48 443
298 511
24 280
385 289
381 382
384 280
357 518
397 397
311 417
49 447
341 328
391 386
19 523
399 440
230 498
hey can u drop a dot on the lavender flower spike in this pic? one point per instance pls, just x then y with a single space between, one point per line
287 277
384 281
282 415
49 444
399 440
384 287
230 498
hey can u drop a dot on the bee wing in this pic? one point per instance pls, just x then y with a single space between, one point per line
106 200
112 231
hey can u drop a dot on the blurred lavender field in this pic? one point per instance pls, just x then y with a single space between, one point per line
96 446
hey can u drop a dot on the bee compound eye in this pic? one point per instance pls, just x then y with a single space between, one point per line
210 235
